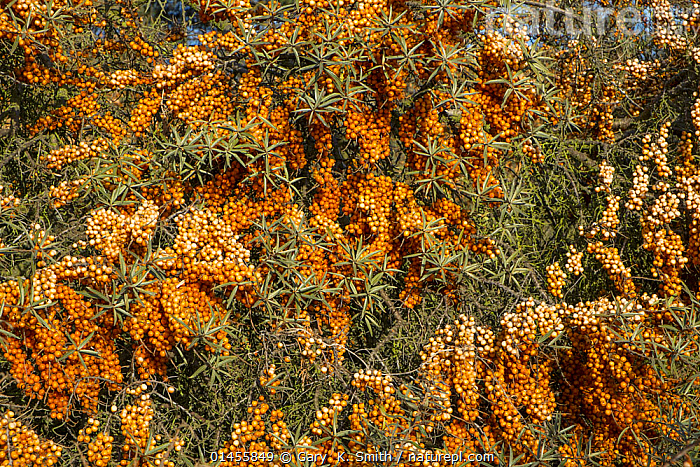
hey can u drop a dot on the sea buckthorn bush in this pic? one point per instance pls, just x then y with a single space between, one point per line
340 227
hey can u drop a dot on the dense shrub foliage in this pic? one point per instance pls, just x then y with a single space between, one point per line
342 228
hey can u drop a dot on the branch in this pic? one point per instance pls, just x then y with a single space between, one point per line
552 8
582 158
392 332
22 147
681 453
